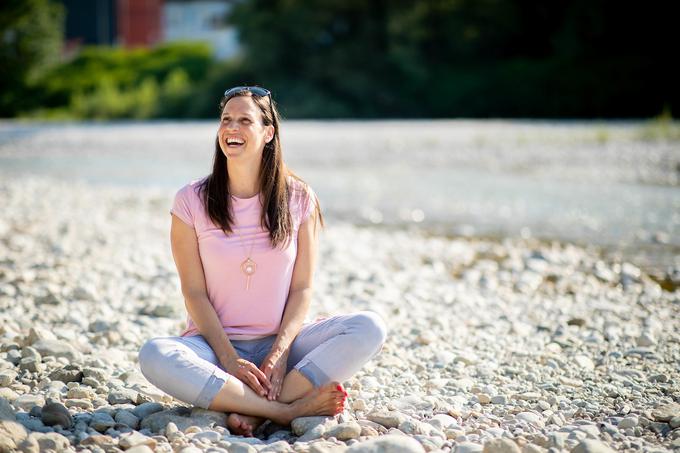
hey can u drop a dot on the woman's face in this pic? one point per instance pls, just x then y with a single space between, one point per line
241 133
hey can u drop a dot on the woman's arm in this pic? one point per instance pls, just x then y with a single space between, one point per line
190 268
299 298
300 294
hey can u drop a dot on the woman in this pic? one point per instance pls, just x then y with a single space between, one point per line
244 241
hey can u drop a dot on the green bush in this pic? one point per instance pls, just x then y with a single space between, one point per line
105 83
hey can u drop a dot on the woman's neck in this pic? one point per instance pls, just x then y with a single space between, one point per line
243 180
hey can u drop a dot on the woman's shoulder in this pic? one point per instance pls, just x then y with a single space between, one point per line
302 199
298 187
188 204
192 189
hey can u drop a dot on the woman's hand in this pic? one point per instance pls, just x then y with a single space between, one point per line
249 374
274 368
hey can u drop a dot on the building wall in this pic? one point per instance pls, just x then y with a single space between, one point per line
201 20
139 22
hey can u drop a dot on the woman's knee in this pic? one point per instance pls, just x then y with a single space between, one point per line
152 356
371 328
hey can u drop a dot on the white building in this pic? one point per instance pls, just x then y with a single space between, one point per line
201 20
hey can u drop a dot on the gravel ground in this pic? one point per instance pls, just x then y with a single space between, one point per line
494 346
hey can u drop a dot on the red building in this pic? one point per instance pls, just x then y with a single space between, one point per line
139 22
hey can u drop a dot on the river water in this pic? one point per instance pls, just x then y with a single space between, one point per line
602 183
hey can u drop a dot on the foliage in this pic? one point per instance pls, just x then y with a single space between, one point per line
30 42
117 83
442 58
392 59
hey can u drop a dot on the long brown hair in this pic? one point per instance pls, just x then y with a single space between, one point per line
274 187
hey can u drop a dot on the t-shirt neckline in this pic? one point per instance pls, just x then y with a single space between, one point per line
246 199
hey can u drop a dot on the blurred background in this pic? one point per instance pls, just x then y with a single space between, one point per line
551 120
340 59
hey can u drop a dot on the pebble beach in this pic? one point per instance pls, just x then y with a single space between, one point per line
494 345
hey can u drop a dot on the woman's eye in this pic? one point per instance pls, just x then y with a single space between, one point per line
245 121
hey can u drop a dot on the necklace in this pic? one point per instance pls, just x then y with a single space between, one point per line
248 266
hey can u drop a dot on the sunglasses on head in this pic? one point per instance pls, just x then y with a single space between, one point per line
257 91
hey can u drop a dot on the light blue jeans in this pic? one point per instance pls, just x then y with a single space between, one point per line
332 349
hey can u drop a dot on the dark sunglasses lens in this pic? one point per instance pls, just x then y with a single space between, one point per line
233 91
257 91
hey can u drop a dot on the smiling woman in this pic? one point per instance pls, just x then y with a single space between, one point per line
244 240
237 126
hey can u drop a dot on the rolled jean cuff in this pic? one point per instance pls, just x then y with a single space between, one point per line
210 389
313 373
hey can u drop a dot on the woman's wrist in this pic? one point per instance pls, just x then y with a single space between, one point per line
280 350
227 358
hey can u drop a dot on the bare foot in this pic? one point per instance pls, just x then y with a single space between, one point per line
243 425
328 399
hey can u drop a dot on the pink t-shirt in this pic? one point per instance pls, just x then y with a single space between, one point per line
244 313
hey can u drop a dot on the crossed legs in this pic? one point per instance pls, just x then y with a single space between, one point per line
323 354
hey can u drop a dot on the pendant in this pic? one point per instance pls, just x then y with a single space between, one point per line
248 267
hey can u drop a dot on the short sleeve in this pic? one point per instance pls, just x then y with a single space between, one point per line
308 204
183 205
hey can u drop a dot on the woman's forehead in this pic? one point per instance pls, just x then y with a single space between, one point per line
241 105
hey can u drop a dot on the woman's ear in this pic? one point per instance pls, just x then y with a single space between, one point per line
270 133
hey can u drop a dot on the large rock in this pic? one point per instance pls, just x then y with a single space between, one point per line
7 377
27 402
69 373
102 421
312 434
127 418
501 445
122 396
183 417
591 446
468 447
387 444
6 411
100 440
344 431
37 334
139 449
56 414
241 447
134 439
666 412
99 374
146 409
51 441
11 435
442 421
388 419
301 425
57 348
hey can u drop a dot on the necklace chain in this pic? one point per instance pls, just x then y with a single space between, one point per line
248 266
243 244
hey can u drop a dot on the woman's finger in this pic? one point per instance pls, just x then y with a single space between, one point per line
267 370
272 393
255 384
261 376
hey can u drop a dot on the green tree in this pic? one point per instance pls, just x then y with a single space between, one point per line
30 42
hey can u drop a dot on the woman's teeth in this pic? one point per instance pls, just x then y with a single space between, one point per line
234 142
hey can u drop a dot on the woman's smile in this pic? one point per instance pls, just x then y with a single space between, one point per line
240 129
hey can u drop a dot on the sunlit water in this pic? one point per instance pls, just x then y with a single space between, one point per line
599 183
